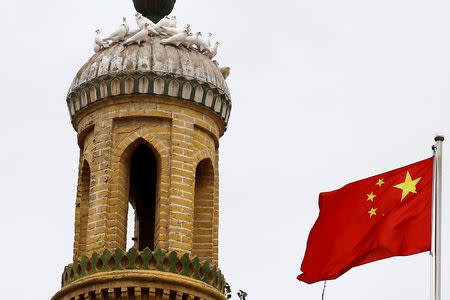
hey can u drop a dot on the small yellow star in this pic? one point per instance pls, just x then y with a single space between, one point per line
373 212
409 186
370 197
380 182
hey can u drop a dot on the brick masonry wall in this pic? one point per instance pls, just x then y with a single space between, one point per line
204 211
181 135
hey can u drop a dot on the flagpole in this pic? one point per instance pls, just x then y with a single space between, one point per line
437 218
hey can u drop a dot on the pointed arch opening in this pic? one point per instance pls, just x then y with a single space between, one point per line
84 191
204 210
143 194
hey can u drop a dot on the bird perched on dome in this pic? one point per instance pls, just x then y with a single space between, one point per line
120 33
96 48
209 40
172 31
176 39
141 20
152 31
225 72
191 40
139 37
124 22
166 22
213 50
99 42
201 44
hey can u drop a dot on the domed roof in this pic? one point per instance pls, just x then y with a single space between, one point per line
153 68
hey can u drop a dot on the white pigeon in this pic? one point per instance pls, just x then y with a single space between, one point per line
99 41
209 39
152 31
201 44
126 24
96 48
173 22
213 50
141 20
225 72
166 22
176 39
139 37
172 31
191 40
119 34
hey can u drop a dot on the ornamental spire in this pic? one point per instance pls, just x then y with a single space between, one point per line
155 10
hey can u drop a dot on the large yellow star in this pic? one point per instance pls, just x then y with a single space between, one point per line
373 212
409 186
370 197
380 182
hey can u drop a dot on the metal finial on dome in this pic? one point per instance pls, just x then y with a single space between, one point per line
155 10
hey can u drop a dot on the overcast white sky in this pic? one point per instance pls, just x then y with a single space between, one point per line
324 92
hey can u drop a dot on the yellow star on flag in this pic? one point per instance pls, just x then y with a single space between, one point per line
380 182
373 212
409 186
370 197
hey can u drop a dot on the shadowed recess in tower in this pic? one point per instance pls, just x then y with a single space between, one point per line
83 209
203 211
143 175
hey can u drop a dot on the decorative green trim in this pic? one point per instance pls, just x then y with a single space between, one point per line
145 260
76 94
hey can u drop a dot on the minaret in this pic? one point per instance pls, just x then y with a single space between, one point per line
148 121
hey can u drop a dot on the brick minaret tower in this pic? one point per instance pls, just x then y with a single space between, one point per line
149 121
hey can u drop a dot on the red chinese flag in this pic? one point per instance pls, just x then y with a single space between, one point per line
371 219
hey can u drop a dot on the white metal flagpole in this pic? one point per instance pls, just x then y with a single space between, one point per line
437 213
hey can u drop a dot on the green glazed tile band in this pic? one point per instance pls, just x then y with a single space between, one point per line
145 260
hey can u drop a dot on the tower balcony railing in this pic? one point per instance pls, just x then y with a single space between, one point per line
146 260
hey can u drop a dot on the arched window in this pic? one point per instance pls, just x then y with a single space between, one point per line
85 183
203 211
142 195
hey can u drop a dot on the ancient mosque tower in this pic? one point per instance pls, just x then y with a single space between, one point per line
148 118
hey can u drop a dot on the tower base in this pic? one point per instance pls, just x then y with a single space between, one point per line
138 285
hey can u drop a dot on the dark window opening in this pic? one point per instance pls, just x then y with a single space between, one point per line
143 182
84 207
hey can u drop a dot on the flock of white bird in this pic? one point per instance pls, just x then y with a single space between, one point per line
166 27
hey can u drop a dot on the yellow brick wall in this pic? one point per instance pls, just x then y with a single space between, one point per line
204 211
181 135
